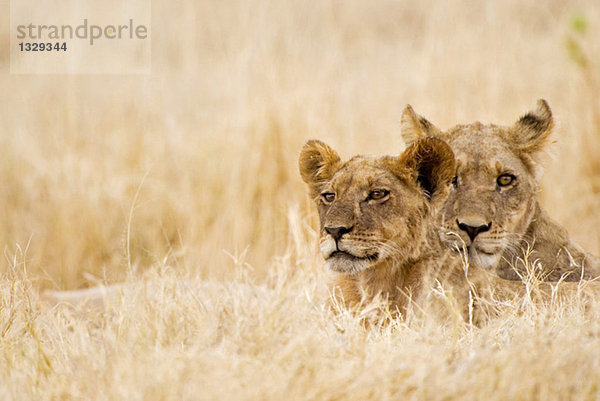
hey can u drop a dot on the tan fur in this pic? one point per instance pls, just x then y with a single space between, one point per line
513 223
390 247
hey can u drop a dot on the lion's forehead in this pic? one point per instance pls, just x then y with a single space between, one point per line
362 174
484 151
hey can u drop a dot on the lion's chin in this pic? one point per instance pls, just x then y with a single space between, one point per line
482 259
477 257
343 262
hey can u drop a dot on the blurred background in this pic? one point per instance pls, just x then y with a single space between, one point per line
195 165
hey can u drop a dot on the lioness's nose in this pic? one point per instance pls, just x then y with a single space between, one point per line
473 228
337 232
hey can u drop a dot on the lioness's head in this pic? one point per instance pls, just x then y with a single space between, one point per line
494 194
375 209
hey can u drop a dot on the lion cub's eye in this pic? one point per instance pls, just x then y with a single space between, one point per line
328 197
505 180
378 194
455 181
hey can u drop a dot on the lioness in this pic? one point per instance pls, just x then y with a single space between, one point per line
378 230
492 211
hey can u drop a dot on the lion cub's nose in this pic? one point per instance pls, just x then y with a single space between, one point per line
473 227
337 232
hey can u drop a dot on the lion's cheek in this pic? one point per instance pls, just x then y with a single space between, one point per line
399 229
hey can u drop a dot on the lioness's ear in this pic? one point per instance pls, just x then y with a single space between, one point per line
414 127
317 163
531 132
430 161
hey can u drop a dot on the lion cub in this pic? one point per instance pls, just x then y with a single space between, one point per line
492 212
378 229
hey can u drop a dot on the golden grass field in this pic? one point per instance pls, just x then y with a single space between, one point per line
183 183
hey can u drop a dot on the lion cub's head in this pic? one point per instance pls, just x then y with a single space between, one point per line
374 210
494 194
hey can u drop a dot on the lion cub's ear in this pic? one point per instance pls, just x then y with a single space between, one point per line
431 163
414 126
318 163
531 132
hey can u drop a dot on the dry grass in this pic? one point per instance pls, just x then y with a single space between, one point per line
209 144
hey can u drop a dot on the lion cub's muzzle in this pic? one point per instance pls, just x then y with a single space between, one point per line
474 235
473 227
346 254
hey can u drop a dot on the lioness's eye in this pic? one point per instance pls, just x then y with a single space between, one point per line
505 180
378 194
328 197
